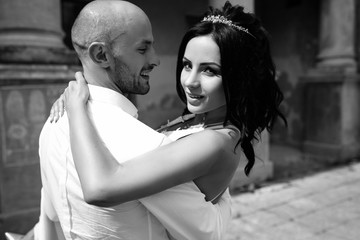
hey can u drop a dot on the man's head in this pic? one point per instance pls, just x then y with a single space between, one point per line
114 42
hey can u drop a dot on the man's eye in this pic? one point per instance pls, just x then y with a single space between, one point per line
142 50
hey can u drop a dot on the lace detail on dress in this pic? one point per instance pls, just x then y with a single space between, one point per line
180 133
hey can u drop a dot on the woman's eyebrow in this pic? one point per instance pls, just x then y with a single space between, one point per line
210 63
204 63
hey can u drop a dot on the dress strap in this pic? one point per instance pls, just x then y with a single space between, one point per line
176 121
214 126
216 198
217 126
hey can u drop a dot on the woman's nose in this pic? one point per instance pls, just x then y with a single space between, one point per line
192 80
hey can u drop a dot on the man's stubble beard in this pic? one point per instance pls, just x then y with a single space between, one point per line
127 82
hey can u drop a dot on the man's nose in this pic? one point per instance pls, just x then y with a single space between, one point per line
154 59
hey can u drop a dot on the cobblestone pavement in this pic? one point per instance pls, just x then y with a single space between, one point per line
324 206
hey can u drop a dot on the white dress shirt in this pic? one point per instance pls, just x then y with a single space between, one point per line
182 210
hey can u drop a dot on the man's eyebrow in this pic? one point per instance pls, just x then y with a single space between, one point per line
146 42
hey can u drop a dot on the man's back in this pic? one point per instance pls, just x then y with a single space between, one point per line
62 190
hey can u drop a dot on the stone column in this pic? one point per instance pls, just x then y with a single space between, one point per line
30 32
263 168
332 89
31 23
337 35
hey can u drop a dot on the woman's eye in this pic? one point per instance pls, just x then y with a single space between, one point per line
186 65
211 72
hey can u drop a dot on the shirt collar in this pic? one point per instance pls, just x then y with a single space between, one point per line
106 95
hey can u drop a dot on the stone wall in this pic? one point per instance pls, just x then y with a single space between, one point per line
26 95
294 42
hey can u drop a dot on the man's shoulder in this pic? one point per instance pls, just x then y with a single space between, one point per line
59 127
114 116
118 128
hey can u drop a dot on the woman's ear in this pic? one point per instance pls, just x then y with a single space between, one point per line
98 54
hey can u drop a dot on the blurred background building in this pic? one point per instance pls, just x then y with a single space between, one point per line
315 44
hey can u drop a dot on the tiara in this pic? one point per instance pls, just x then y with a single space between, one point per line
224 20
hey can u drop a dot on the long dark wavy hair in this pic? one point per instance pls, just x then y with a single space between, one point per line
248 74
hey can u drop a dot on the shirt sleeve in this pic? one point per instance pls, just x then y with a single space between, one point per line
186 215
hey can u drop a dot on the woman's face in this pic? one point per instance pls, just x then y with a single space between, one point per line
201 75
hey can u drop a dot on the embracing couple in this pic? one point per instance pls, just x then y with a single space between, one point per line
106 175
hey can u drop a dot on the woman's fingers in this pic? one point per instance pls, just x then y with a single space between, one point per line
69 92
76 93
80 78
57 109
61 105
54 112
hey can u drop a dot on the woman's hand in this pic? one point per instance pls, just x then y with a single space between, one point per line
57 109
76 94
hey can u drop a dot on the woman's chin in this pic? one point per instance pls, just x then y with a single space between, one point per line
195 110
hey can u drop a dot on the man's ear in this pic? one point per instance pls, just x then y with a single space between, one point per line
98 54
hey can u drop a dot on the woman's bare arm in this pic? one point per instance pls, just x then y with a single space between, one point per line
107 182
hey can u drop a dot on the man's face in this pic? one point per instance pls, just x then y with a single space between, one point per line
134 58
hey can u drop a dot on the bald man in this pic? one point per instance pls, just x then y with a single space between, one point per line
114 42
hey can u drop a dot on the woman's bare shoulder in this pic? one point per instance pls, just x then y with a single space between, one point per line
220 138
229 133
